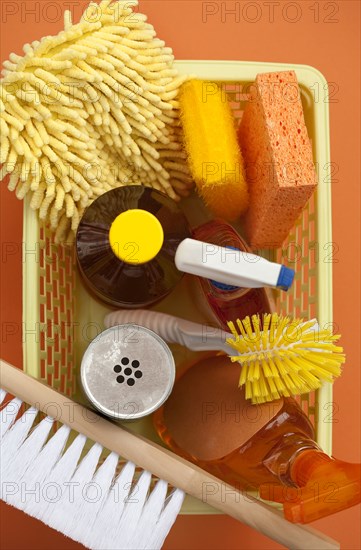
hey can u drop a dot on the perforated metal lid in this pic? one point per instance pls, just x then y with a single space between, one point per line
127 372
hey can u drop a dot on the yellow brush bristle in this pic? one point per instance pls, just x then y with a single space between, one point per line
214 156
285 357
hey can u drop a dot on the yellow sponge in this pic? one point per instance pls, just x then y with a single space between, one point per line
214 157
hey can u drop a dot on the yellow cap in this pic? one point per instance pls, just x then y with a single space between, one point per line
136 236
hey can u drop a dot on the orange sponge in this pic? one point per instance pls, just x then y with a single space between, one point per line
278 157
214 155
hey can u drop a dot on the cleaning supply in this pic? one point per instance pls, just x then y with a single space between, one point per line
90 109
287 357
208 420
214 158
122 515
284 356
226 302
231 267
127 372
132 245
126 244
278 157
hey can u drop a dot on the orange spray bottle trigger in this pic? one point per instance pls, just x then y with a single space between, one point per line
324 486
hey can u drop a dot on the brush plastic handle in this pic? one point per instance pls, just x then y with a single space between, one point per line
164 464
173 330
230 266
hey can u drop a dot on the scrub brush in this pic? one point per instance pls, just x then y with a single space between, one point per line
82 499
279 356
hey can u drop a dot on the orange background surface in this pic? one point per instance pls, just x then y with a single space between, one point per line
327 36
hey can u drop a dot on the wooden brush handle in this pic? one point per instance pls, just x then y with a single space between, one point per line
162 463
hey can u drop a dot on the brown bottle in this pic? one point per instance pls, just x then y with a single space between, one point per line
117 269
208 421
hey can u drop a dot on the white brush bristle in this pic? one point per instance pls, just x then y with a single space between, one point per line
80 496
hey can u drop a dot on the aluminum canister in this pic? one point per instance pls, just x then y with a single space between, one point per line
127 372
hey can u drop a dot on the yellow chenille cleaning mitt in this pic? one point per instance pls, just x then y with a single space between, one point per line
214 156
92 108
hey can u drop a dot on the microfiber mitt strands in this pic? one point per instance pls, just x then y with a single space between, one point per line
92 108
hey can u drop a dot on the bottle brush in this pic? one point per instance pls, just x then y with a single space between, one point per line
279 356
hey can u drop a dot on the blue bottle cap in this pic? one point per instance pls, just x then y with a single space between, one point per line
223 286
285 278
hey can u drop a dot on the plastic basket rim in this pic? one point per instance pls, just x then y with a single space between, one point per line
224 71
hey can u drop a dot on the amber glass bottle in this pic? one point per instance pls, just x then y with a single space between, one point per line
126 243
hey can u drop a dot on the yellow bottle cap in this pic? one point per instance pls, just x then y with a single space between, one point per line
136 236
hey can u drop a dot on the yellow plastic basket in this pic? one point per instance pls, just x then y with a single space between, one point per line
60 318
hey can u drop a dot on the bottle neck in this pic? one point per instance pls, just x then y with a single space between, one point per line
305 465
287 451
315 477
